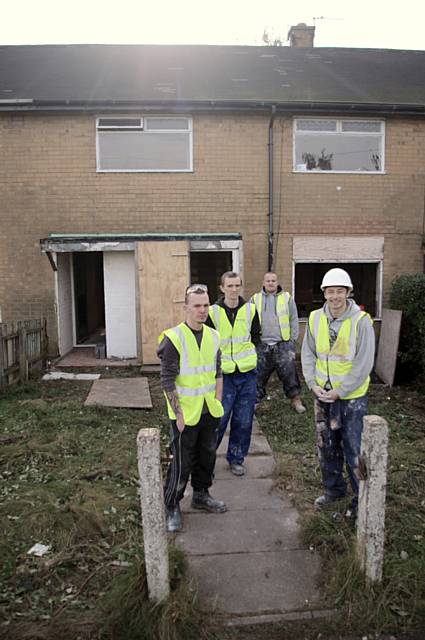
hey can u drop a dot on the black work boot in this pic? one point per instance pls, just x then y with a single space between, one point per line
173 518
203 500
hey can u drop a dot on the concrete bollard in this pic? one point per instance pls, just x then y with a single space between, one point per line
372 491
153 517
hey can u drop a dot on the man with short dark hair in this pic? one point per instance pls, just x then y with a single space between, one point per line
239 329
279 332
192 383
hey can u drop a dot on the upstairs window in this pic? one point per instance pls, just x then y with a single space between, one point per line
151 143
330 145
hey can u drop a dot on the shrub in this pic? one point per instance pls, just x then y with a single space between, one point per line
408 294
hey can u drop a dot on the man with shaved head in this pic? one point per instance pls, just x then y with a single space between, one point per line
278 316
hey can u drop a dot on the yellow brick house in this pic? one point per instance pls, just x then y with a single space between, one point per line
128 171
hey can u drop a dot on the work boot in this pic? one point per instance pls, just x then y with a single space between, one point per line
173 517
203 500
298 405
237 469
324 501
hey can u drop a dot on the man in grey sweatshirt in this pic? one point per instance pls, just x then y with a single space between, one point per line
278 316
337 358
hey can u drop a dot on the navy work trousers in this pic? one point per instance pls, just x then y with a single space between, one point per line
339 427
239 391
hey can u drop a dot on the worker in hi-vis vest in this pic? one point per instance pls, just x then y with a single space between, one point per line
239 328
192 382
278 316
337 358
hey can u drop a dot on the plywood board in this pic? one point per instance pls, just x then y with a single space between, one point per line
342 249
164 273
386 360
131 393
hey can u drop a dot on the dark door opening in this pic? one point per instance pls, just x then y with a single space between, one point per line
206 267
89 297
308 278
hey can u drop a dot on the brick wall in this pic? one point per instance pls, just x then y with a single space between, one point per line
49 184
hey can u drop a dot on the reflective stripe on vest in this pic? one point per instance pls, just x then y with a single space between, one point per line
196 380
235 341
335 363
282 312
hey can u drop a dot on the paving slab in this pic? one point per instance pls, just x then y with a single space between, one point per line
239 531
244 494
259 446
131 393
63 375
250 562
258 466
283 582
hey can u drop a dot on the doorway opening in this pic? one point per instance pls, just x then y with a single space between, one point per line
308 278
89 298
206 267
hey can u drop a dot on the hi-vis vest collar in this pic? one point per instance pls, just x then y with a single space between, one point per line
335 363
235 341
196 380
217 311
282 311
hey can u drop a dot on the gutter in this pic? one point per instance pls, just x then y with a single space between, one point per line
184 106
270 213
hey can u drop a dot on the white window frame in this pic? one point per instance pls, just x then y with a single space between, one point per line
339 121
151 131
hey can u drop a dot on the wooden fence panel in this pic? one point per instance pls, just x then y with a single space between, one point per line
22 347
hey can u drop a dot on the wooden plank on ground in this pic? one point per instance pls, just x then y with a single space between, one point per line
388 345
130 393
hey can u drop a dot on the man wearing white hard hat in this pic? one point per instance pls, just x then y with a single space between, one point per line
337 358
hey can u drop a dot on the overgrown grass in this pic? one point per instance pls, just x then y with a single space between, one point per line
398 603
68 479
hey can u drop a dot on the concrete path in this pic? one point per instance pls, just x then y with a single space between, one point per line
249 562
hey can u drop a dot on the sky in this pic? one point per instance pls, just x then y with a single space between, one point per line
359 23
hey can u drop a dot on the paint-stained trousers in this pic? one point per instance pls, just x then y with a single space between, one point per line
238 403
194 453
279 357
339 427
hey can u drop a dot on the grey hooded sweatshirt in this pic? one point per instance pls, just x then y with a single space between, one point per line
365 350
270 329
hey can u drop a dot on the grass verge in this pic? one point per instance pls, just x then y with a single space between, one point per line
69 480
398 603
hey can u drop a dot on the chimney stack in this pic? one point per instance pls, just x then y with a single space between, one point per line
301 35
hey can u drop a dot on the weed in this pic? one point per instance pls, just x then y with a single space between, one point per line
129 615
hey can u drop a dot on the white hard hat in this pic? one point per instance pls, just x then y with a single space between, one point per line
336 278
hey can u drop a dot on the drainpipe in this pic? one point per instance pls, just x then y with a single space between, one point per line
270 214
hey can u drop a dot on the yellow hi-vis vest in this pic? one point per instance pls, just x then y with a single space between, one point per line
282 311
196 380
235 341
335 363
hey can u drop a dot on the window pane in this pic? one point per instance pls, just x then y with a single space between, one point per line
338 153
361 126
166 123
119 122
143 151
316 125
